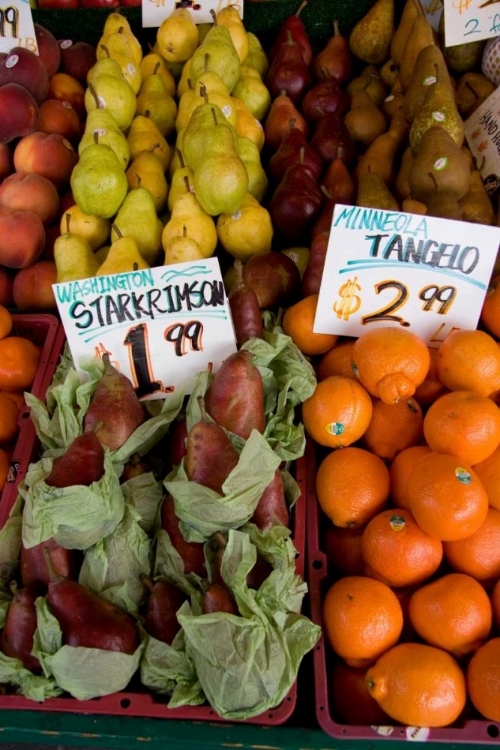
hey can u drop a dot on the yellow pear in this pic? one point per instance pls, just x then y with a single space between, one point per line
177 36
230 18
371 37
102 254
94 229
187 212
247 125
182 249
123 256
144 135
182 180
117 46
147 171
247 232
177 156
185 81
402 33
73 257
116 22
154 64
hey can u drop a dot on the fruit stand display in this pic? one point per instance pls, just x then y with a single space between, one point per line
175 529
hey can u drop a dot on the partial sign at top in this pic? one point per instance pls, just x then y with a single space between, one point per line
16 26
470 20
482 131
160 326
433 10
386 268
155 11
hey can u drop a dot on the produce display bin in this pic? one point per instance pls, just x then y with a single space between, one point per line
469 731
136 701
43 331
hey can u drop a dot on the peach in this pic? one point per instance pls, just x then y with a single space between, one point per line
18 112
50 155
59 117
30 192
33 286
77 58
22 238
68 89
25 68
6 287
48 49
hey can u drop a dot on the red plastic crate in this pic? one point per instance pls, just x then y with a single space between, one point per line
42 330
141 702
472 731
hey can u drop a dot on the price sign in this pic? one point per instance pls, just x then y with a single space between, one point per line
470 20
482 131
433 10
155 11
16 26
160 326
386 268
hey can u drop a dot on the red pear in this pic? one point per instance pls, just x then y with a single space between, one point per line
293 149
288 71
277 124
335 59
192 553
325 96
245 310
296 27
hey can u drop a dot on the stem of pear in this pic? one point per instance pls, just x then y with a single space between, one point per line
214 115
106 50
117 231
301 154
186 183
53 574
147 582
301 8
204 93
68 219
436 186
336 30
94 95
135 266
201 404
472 89
326 192
180 157
205 60
156 68
220 539
214 16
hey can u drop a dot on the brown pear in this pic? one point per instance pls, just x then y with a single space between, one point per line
476 204
442 203
335 59
421 35
424 75
281 113
371 82
394 101
210 456
402 184
116 406
412 206
82 463
381 155
439 162
235 398
16 640
472 90
370 39
364 121
374 193
87 620
389 73
438 109
402 33
461 57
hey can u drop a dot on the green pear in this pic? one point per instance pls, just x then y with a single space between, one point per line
256 57
144 135
104 67
73 256
98 181
123 256
253 92
156 103
114 94
188 218
153 64
117 47
102 122
147 171
222 57
199 131
137 219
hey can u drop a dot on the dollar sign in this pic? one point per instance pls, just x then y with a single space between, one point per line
350 302
462 5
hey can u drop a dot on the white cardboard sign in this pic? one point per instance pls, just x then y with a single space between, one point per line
155 11
482 131
470 20
16 26
386 268
433 10
160 326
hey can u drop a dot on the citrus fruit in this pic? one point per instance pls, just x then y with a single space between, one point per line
490 314
488 472
393 427
9 414
483 679
298 322
5 322
478 555
418 685
390 363
362 618
399 471
338 412
446 497
469 360
397 551
463 424
352 485
428 391
337 361
452 612
18 363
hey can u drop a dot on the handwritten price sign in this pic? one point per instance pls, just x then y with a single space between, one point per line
160 326
386 268
16 26
470 20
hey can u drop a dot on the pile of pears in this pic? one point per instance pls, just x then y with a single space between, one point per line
169 162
